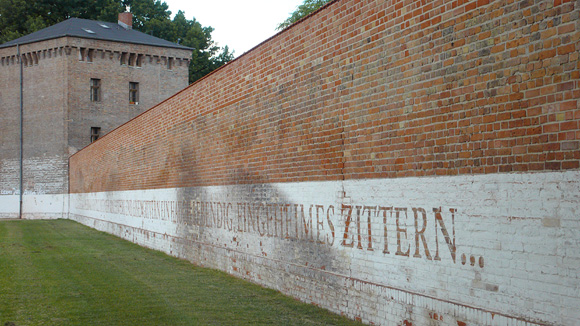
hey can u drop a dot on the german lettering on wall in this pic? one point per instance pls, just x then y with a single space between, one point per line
399 162
489 243
315 223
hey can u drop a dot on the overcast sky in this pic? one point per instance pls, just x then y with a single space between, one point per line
239 24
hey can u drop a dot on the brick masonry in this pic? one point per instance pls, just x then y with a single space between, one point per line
386 251
44 80
58 112
400 162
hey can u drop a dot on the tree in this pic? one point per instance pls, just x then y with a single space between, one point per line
22 17
206 57
305 9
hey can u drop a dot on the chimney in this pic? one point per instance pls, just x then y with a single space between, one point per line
126 20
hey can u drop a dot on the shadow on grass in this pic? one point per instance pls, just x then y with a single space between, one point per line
59 272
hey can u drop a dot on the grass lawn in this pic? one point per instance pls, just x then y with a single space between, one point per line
60 272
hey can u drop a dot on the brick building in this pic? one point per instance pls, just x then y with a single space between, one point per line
398 162
80 80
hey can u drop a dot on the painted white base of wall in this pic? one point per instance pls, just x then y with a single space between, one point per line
498 249
9 206
34 206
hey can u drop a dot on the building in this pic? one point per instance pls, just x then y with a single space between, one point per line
398 162
79 79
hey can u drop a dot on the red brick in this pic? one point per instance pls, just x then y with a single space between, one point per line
570 105
272 114
566 49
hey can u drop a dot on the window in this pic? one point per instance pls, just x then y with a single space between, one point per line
169 63
95 90
95 133
134 93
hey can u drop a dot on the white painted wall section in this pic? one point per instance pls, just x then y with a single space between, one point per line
34 206
484 250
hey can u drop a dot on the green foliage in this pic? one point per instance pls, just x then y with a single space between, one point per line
206 55
62 273
22 17
305 9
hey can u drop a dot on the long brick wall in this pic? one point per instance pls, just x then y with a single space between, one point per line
400 162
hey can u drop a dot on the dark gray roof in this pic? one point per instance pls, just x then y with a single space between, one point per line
85 28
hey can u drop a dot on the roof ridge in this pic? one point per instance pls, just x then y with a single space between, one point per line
86 28
68 26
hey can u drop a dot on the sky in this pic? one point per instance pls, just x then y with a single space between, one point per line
239 24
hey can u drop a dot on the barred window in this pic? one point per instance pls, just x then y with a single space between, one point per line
133 93
95 133
95 90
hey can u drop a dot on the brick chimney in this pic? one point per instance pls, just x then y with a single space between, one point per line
126 20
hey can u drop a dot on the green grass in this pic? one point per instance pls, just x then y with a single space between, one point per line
63 273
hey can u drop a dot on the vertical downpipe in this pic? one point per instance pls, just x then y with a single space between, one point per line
21 131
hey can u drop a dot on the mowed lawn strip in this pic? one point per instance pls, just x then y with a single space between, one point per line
60 272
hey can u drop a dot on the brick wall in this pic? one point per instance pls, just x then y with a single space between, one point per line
116 64
396 161
58 112
45 150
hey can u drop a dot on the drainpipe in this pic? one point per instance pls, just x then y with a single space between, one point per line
21 131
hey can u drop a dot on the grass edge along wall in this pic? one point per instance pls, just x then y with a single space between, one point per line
395 161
